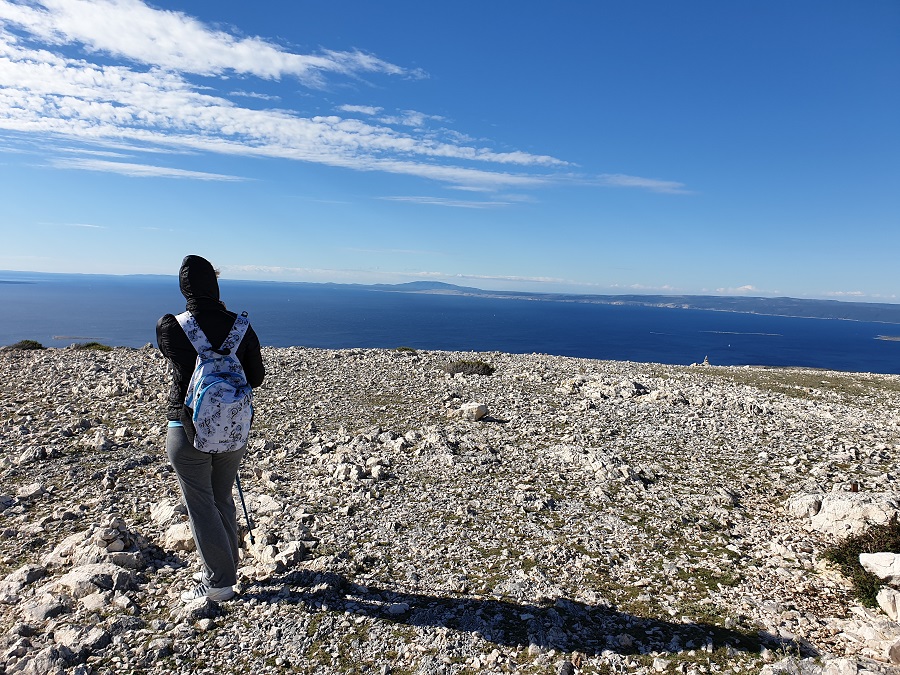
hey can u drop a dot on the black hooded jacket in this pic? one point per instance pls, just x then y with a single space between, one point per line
200 287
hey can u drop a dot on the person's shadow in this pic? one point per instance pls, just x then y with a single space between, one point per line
566 625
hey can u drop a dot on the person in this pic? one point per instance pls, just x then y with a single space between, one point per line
205 479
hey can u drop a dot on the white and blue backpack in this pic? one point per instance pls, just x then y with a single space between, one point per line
218 393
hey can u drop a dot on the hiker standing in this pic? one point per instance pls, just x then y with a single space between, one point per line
206 478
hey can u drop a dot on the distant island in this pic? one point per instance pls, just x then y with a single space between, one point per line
881 312
876 312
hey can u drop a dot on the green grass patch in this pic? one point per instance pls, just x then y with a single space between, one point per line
23 345
876 539
469 368
95 346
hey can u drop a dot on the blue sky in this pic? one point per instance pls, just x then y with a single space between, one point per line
740 147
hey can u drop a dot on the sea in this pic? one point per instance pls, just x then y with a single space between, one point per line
61 309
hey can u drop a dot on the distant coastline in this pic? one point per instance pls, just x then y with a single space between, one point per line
886 313
782 306
123 310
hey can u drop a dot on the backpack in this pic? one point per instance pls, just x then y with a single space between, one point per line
218 393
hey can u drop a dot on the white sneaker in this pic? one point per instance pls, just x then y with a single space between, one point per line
204 591
198 577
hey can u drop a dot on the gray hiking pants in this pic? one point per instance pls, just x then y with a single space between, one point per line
206 482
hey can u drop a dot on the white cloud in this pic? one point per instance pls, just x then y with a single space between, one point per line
391 251
362 109
131 90
82 225
740 290
510 278
93 153
140 170
314 274
470 188
411 118
643 288
622 180
442 201
845 294
253 94
553 284
48 94
172 40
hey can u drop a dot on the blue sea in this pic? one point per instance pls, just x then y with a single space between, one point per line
58 310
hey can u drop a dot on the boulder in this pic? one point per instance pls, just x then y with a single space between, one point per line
88 579
885 566
803 506
889 601
842 514
471 412
166 511
178 537
82 640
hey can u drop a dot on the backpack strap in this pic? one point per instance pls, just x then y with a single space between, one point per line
198 338
238 330
194 333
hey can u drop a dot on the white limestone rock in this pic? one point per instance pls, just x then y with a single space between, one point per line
803 506
290 554
889 600
30 491
96 602
82 640
42 607
178 537
840 666
893 653
842 514
87 579
885 566
167 511
471 412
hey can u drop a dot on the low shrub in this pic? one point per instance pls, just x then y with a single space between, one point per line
876 539
406 350
97 346
26 344
469 368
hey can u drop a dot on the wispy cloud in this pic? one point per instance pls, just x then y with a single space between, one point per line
380 276
845 294
443 201
118 73
643 288
407 118
253 94
81 225
412 118
294 273
172 40
747 289
624 181
470 188
92 153
391 251
361 109
140 170
313 272
510 278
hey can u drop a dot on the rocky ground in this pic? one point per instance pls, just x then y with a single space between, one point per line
602 517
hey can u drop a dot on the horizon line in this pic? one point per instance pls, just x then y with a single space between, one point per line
633 294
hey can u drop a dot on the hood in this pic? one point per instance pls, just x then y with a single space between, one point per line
198 282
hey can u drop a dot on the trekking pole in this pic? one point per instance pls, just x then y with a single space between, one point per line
237 479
